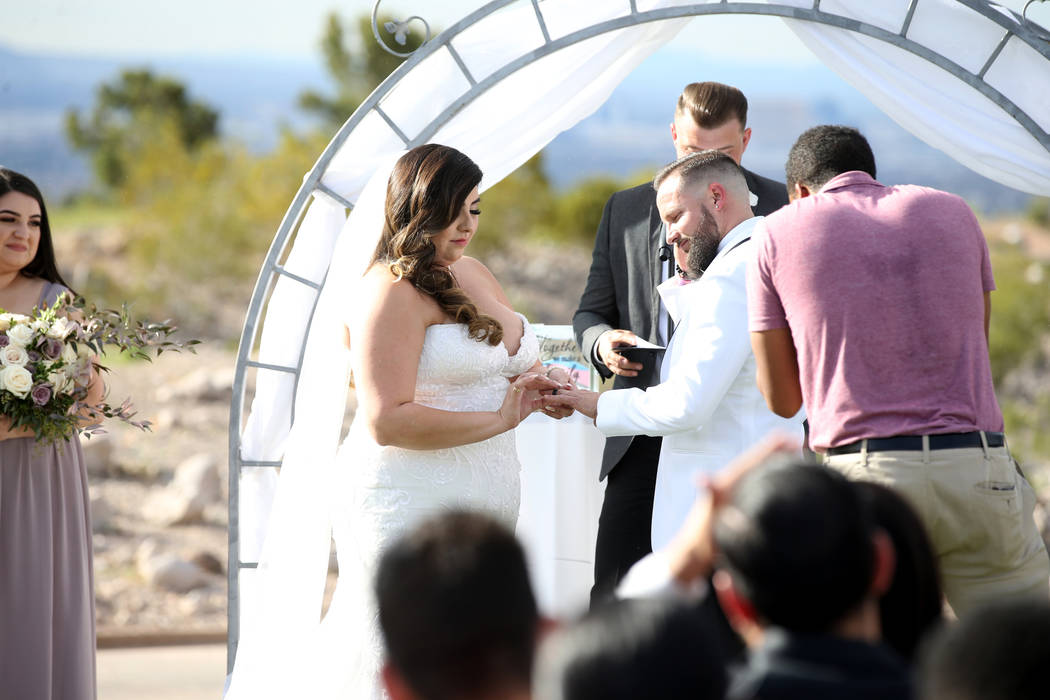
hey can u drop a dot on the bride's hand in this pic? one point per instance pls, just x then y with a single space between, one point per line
523 397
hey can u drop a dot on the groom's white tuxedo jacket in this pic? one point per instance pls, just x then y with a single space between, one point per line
707 405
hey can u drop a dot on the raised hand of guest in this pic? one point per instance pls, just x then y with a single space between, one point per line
692 551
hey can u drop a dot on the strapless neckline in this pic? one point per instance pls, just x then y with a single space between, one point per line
500 344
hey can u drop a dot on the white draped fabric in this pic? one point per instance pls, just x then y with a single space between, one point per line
500 129
932 104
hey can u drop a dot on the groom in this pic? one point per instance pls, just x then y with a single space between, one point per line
620 304
707 407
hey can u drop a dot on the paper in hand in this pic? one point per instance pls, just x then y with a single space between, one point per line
642 352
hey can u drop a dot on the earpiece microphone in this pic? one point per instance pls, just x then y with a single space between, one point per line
665 253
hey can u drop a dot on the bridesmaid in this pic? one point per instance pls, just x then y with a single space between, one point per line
47 602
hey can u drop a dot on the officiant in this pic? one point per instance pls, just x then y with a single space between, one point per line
620 306
707 405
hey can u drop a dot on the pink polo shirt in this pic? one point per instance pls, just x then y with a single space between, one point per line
883 290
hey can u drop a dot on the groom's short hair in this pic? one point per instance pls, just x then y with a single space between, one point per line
456 608
705 166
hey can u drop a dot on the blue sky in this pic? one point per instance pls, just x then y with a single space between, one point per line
117 28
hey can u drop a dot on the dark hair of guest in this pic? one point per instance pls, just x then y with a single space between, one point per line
995 652
797 541
630 649
456 608
911 607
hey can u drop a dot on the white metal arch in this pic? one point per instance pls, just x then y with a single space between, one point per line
1012 27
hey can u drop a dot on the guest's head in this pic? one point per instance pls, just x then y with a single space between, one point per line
701 197
457 612
911 607
711 116
999 652
799 550
631 649
24 224
823 152
431 215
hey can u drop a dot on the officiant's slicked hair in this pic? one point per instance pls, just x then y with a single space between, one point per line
705 166
425 193
712 104
456 608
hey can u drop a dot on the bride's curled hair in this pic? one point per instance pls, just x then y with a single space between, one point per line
424 196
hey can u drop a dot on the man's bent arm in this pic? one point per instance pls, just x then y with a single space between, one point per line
597 311
777 370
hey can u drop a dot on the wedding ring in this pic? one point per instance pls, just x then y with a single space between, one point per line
517 390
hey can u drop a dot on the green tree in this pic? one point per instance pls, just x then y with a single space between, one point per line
127 115
1020 310
515 207
356 72
579 210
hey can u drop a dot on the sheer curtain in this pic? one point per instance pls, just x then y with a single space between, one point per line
500 130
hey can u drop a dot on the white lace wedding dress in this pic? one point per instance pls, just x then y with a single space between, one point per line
382 491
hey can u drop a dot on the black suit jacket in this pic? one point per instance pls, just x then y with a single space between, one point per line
624 274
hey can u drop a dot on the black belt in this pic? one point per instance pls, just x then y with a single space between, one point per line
948 441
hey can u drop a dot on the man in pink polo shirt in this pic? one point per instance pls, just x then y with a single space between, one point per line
871 304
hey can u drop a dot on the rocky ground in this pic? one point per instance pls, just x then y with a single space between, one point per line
159 498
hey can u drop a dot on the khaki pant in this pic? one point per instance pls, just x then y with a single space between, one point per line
978 511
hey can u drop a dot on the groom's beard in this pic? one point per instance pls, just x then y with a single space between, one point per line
703 245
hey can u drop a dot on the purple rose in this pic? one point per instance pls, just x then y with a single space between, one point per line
41 394
34 356
52 348
4 340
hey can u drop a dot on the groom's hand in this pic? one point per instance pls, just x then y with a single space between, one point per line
586 402
608 343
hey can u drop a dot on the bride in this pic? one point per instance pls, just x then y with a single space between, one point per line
444 369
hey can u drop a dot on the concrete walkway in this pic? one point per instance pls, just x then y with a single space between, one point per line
192 672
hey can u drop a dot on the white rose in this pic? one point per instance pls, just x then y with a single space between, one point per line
60 381
17 380
69 355
61 328
20 334
13 356
84 351
8 319
40 326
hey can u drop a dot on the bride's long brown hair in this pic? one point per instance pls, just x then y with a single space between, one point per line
424 196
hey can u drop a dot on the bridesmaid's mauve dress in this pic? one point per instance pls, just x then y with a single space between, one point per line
47 602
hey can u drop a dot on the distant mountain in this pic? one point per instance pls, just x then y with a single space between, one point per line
255 95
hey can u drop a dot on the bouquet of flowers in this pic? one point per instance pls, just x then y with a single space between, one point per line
46 362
